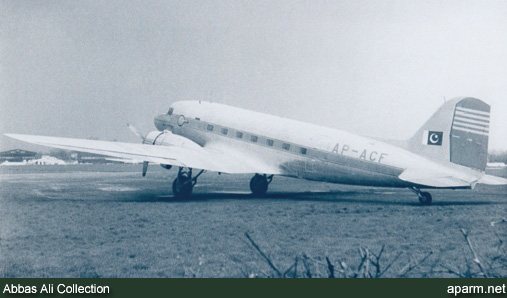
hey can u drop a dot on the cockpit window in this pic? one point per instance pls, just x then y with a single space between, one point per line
170 111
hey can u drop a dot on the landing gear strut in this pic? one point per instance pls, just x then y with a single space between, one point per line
424 197
184 183
259 184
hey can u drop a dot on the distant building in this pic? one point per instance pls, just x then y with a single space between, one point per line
46 160
84 157
495 165
17 155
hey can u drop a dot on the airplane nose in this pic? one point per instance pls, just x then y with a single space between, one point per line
162 122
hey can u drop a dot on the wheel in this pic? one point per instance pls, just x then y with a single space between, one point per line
259 185
182 187
425 198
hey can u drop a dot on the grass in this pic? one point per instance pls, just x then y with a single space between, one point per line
372 264
79 221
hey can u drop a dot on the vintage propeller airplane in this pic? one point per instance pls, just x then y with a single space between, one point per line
448 151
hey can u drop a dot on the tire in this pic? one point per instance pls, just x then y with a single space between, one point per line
259 185
182 187
425 198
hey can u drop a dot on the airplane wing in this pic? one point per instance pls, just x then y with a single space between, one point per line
196 157
448 178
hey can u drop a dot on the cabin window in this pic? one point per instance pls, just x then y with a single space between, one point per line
225 131
302 150
254 139
286 146
239 135
170 112
270 142
210 127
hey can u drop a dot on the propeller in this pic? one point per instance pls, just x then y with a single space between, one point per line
137 133
145 168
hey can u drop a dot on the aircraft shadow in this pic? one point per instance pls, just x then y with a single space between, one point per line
331 197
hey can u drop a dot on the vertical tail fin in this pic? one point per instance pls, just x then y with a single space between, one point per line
457 132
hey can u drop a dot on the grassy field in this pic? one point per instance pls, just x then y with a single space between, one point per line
108 221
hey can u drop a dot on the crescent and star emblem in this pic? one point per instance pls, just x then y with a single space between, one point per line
434 138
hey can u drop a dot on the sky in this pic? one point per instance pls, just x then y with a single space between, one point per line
376 68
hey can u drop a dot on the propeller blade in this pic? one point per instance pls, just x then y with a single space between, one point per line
135 131
145 167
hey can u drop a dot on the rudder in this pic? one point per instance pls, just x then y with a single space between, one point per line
470 134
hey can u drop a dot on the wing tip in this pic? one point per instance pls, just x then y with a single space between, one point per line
20 137
13 135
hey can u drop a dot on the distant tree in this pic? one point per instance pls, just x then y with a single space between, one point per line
61 154
498 156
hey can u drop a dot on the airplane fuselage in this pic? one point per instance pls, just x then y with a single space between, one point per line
292 148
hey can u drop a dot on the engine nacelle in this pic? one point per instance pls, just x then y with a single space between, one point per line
167 167
167 138
152 137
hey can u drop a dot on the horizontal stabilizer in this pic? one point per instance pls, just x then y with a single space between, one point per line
492 180
432 178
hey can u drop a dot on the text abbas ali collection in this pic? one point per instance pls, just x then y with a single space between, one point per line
52 288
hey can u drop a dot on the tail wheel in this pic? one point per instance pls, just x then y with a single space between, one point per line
425 198
182 187
259 185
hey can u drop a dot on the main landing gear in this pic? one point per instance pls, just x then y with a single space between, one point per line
424 197
259 184
184 183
